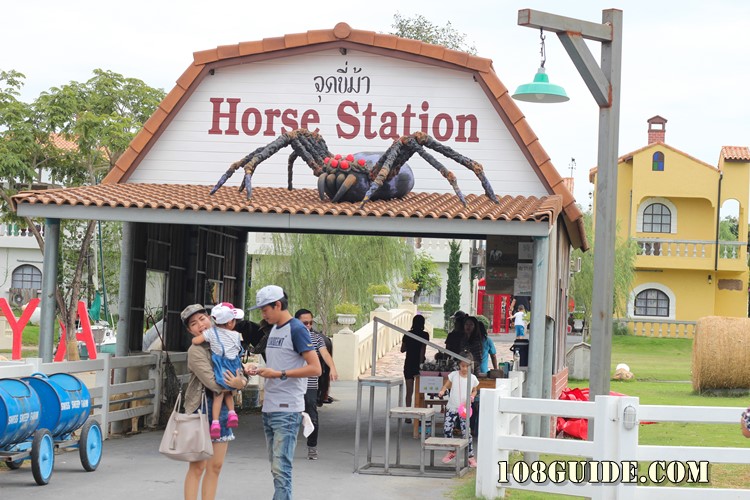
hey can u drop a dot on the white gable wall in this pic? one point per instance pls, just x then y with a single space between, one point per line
187 153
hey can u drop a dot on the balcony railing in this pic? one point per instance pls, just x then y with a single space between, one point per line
663 328
694 249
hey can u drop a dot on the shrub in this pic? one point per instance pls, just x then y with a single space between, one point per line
620 328
347 308
424 307
408 284
379 289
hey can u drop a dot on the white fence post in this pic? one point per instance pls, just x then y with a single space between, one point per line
488 452
627 444
103 380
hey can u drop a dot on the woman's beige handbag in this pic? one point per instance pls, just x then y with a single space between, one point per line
187 437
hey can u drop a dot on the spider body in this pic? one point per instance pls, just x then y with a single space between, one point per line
333 178
362 176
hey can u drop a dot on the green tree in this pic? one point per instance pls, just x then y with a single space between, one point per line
424 272
453 286
582 282
319 271
98 118
421 28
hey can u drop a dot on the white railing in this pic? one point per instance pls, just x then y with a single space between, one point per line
352 352
693 249
18 230
615 446
660 328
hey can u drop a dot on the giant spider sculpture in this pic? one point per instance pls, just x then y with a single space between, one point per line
361 176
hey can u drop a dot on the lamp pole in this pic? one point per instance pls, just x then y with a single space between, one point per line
603 81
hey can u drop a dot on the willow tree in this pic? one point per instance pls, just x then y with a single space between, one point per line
319 271
583 281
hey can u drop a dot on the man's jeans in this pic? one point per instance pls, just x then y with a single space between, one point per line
281 430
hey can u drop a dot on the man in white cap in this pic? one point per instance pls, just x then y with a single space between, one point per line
290 360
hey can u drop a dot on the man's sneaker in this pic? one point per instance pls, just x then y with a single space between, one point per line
312 453
472 462
449 457
232 419
215 430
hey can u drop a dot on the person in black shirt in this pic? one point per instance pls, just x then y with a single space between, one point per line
415 354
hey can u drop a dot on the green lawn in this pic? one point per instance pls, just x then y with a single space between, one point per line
662 377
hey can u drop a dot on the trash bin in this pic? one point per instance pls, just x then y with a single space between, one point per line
521 346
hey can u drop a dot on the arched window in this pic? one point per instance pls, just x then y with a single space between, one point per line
657 218
652 302
27 276
657 162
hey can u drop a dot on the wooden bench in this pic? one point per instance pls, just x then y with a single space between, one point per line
456 445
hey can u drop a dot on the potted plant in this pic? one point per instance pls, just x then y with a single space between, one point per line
381 295
408 288
346 314
425 310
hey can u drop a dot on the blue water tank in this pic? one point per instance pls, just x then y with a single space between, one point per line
65 402
19 411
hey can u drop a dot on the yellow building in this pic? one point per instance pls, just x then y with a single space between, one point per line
671 203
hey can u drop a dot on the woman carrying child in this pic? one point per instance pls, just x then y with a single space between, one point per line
455 409
226 347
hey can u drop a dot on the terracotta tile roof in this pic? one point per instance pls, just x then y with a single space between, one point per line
186 197
736 153
344 36
61 142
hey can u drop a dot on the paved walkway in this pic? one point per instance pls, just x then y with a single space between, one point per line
132 467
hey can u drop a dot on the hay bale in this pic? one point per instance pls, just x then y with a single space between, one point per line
721 353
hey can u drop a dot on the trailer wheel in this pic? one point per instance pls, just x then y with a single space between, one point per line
42 456
90 445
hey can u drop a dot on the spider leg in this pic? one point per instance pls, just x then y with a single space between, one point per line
290 166
476 167
449 176
251 161
390 159
322 186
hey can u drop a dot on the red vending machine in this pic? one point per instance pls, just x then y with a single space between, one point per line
494 307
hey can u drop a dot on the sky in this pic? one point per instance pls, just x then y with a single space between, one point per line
685 60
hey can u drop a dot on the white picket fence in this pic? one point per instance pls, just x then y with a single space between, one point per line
615 423
98 377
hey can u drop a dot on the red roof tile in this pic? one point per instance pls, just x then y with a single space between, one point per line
736 153
299 201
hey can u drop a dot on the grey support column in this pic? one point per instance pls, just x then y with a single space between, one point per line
49 285
537 331
549 346
126 283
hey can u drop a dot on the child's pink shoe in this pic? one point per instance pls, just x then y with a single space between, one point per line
233 420
215 430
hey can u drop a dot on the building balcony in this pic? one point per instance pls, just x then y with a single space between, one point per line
658 253
18 236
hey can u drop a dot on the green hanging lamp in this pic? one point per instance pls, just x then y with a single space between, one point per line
541 90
